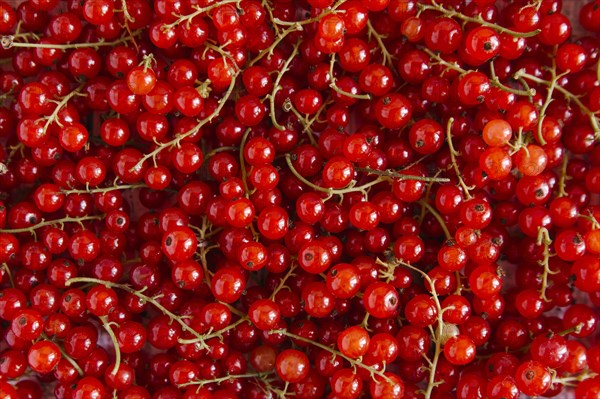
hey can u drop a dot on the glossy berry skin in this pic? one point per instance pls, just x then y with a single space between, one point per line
43 356
131 336
179 244
227 284
264 314
292 365
459 350
381 300
533 378
353 342
27 324
421 311
393 111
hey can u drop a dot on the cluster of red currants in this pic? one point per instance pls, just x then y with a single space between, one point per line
306 199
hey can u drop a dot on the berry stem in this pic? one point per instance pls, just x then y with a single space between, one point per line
228 377
199 11
387 56
335 87
567 381
595 123
44 223
9 273
439 331
331 191
66 356
218 150
8 42
281 284
543 238
289 107
175 141
478 20
295 27
574 329
214 334
331 10
308 125
563 176
438 217
60 105
104 189
453 155
277 86
590 216
354 362
553 80
495 81
143 297
223 53
13 150
243 162
400 176
147 61
125 11
202 232
107 326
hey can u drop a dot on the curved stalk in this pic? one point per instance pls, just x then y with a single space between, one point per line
354 362
143 297
453 154
478 20
44 223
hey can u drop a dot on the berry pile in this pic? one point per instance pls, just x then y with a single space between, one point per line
306 199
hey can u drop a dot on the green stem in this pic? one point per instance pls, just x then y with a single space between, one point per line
439 328
63 102
335 87
9 273
218 150
125 11
563 176
295 27
66 356
387 56
105 189
243 161
277 86
438 217
354 362
478 20
219 380
568 95
453 154
113 338
214 334
495 81
44 223
400 176
543 238
331 191
8 42
548 99
143 297
199 11
192 131
281 284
